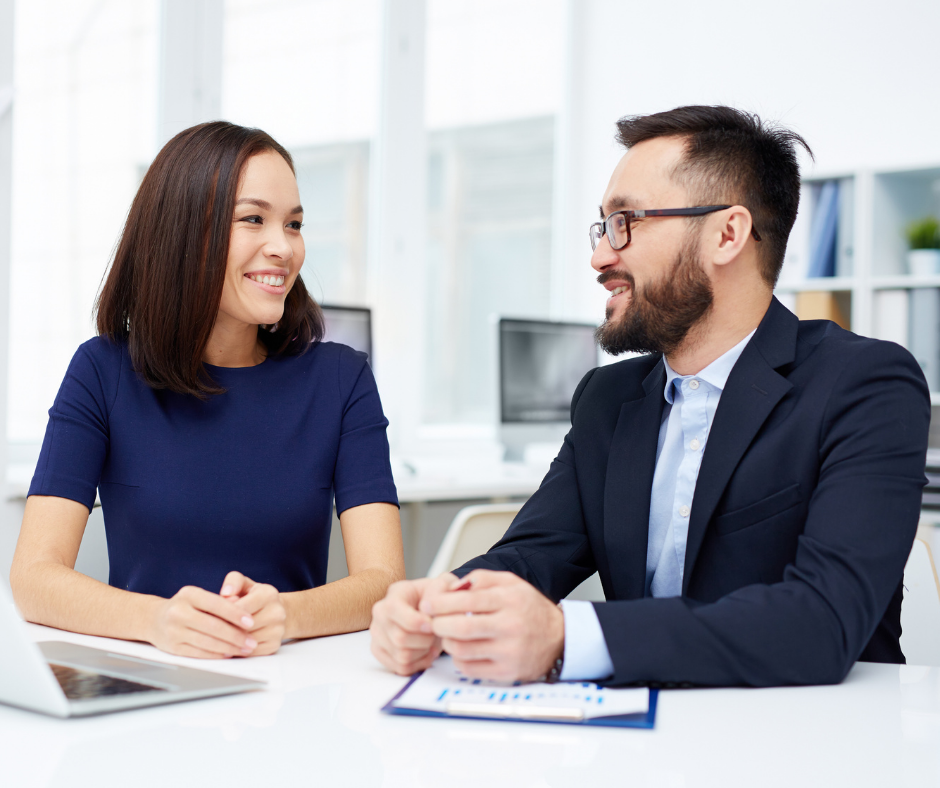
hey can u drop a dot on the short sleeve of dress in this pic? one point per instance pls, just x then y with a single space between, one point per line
363 473
76 443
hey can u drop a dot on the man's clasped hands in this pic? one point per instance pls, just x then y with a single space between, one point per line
495 625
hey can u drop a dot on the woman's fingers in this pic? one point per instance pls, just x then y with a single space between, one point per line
224 609
219 648
235 585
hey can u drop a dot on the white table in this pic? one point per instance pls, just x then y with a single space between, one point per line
319 724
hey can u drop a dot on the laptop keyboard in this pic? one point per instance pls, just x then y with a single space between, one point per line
80 684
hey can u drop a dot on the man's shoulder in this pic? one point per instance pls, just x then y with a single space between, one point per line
823 344
613 384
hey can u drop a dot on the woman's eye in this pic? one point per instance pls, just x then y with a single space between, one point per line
295 225
252 219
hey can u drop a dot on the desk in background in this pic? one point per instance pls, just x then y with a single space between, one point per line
319 724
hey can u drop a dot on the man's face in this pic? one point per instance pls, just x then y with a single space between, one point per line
658 287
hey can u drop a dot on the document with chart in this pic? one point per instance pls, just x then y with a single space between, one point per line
443 691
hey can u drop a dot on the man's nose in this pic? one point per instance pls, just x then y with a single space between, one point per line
604 257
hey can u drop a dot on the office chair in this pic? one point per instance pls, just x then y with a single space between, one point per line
920 610
476 529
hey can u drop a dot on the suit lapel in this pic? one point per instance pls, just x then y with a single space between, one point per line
752 392
629 481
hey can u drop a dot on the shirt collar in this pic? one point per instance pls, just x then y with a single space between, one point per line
715 374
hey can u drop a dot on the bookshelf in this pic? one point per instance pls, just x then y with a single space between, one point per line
870 284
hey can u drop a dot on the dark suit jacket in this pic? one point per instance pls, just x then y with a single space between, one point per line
804 512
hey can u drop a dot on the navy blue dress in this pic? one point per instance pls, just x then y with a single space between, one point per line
245 481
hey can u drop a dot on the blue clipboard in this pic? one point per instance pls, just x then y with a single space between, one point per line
645 719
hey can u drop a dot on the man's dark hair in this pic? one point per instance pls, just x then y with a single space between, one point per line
163 291
732 158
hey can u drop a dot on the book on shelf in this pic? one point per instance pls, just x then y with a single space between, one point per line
824 231
824 305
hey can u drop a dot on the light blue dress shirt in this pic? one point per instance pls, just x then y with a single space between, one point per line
691 402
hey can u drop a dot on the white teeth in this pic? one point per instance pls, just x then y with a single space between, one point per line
267 279
618 290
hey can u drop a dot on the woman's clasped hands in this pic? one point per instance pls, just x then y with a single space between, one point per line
245 619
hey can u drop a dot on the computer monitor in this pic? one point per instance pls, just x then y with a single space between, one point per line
349 325
541 363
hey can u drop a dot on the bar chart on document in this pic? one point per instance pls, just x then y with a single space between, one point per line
444 689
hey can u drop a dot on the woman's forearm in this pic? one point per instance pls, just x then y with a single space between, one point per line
50 593
341 606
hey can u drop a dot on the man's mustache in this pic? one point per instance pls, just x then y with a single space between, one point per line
606 276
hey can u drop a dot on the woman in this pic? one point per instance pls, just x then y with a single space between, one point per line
215 427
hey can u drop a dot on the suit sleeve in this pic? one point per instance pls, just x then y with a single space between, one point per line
546 544
811 627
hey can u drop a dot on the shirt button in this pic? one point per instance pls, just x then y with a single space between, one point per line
694 444
684 511
693 384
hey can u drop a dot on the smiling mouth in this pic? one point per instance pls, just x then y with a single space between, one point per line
618 290
266 279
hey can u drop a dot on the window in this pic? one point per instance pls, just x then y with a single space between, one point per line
489 246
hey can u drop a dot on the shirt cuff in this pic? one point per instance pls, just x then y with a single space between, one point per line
586 653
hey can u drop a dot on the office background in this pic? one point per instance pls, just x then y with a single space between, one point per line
450 156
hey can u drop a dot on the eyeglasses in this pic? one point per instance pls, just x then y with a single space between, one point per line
617 225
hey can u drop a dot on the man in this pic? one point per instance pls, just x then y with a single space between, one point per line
748 491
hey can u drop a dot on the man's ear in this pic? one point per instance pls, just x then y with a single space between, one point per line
730 233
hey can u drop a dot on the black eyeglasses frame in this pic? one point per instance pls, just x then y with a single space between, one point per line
699 210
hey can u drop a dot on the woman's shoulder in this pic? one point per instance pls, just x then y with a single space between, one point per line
331 354
331 364
101 354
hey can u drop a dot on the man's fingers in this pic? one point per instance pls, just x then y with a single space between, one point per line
464 627
399 613
472 650
394 639
488 600
489 578
405 663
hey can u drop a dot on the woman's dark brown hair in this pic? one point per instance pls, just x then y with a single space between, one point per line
163 291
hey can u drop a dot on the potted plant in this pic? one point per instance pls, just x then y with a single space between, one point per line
923 239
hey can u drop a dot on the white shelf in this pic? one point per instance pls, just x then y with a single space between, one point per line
904 281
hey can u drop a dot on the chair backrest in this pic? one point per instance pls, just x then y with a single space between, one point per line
920 611
474 530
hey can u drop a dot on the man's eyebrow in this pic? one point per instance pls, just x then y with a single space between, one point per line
265 205
618 204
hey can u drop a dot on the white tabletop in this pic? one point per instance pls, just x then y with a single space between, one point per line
319 724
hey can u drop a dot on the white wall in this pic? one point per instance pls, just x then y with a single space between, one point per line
856 79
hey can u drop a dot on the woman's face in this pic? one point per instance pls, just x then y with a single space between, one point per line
266 250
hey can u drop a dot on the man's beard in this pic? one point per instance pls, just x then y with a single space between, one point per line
659 316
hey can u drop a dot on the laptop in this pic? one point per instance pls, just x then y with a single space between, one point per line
68 680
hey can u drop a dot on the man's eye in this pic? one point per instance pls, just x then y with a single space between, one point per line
619 222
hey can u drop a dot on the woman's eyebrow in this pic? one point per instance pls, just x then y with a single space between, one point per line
265 205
